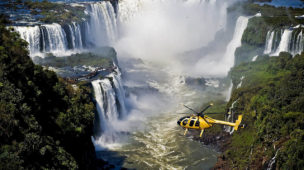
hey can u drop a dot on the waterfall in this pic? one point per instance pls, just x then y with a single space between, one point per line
127 9
75 36
241 25
229 92
272 161
54 38
102 27
106 100
254 58
285 42
269 41
48 38
99 30
72 36
229 56
241 81
110 104
32 36
298 45
229 118
120 93
289 40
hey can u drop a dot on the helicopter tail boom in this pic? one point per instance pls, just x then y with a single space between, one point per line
234 125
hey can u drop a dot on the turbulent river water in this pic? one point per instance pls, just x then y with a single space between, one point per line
154 140
153 37
161 146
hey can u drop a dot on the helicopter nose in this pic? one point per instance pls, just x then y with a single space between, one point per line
178 122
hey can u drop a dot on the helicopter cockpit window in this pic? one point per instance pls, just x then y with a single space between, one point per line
185 122
191 122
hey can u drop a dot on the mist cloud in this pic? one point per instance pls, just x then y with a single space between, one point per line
161 31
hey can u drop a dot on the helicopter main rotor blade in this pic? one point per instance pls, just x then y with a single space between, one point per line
201 113
204 118
213 113
191 109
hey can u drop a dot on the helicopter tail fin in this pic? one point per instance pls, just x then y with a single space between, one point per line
237 122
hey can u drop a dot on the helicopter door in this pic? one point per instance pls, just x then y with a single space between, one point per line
197 123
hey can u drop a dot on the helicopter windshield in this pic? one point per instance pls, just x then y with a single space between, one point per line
181 119
185 121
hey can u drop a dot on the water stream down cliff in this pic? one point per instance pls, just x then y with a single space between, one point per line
289 40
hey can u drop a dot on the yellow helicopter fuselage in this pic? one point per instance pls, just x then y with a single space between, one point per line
200 123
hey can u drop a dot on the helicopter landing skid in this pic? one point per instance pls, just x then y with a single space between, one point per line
202 133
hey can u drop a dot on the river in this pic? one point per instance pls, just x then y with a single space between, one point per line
149 138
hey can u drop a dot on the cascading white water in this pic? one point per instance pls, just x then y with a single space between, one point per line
229 57
229 92
254 58
241 82
269 42
102 28
291 41
285 42
128 9
104 95
99 30
110 104
219 65
56 38
76 37
120 93
32 36
107 112
73 39
272 161
230 118
298 45
44 38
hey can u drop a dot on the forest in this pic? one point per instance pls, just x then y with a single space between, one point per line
45 123
271 100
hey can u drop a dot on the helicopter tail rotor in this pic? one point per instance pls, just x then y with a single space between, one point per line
237 122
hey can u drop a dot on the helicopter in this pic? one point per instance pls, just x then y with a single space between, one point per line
200 121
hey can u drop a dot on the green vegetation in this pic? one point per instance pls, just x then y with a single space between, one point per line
44 122
271 99
89 59
279 13
56 12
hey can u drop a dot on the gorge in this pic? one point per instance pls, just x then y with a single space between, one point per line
165 53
